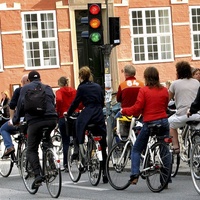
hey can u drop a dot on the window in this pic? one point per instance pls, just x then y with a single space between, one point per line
195 31
151 35
40 39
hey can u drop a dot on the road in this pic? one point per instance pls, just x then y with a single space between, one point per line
12 188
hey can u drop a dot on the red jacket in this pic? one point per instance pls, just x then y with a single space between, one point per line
128 91
64 97
151 103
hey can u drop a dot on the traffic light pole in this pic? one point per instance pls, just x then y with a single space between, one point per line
106 50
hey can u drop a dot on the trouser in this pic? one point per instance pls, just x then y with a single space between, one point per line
35 135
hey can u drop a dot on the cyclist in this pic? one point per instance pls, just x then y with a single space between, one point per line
91 96
7 129
64 97
128 89
152 101
184 91
36 123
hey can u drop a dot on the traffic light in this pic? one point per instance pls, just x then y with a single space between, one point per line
114 30
95 24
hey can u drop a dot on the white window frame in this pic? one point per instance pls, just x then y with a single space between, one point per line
40 40
195 34
151 43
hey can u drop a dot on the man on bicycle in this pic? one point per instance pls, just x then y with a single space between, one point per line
184 91
36 123
7 129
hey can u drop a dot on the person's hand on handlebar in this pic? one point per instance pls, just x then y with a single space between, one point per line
188 113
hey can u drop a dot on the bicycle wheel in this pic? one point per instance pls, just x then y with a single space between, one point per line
6 163
159 164
27 173
118 165
94 166
195 166
73 165
52 173
175 164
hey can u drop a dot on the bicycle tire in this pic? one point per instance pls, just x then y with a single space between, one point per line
21 147
6 163
52 173
158 176
27 173
73 165
175 164
118 173
195 166
94 165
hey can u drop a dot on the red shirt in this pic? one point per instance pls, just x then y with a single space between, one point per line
64 98
151 103
128 91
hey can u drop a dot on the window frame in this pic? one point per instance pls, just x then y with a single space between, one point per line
40 41
159 36
192 33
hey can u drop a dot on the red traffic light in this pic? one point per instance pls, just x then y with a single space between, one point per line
94 9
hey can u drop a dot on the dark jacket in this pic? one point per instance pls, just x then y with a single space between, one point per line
14 99
92 98
195 106
50 107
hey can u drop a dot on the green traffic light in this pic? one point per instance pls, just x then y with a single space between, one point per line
95 37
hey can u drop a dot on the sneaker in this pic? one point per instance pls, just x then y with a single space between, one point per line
9 151
64 168
37 182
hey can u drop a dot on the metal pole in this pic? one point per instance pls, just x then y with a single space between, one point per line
106 50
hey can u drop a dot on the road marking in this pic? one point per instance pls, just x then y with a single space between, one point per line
75 185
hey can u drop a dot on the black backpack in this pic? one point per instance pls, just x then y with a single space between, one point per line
35 100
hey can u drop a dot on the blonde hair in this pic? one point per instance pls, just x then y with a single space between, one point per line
6 93
85 74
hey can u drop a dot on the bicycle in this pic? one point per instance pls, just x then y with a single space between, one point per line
195 166
187 136
50 168
156 165
7 162
89 159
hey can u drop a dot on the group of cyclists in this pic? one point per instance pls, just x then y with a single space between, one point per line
149 99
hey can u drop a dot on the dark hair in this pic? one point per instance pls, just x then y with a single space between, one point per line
151 76
63 81
183 70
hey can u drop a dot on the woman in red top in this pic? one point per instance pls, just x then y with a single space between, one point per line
64 97
152 101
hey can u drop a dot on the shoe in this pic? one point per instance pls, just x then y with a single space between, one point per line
9 151
133 179
176 150
37 182
64 169
105 179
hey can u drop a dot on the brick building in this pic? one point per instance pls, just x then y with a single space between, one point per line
43 35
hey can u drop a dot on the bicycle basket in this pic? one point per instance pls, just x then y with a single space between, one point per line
123 126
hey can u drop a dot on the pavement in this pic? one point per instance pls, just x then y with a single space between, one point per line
184 168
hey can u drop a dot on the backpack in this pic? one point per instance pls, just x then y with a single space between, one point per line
35 101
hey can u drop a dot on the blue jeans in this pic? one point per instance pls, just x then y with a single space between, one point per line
65 139
6 132
141 143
